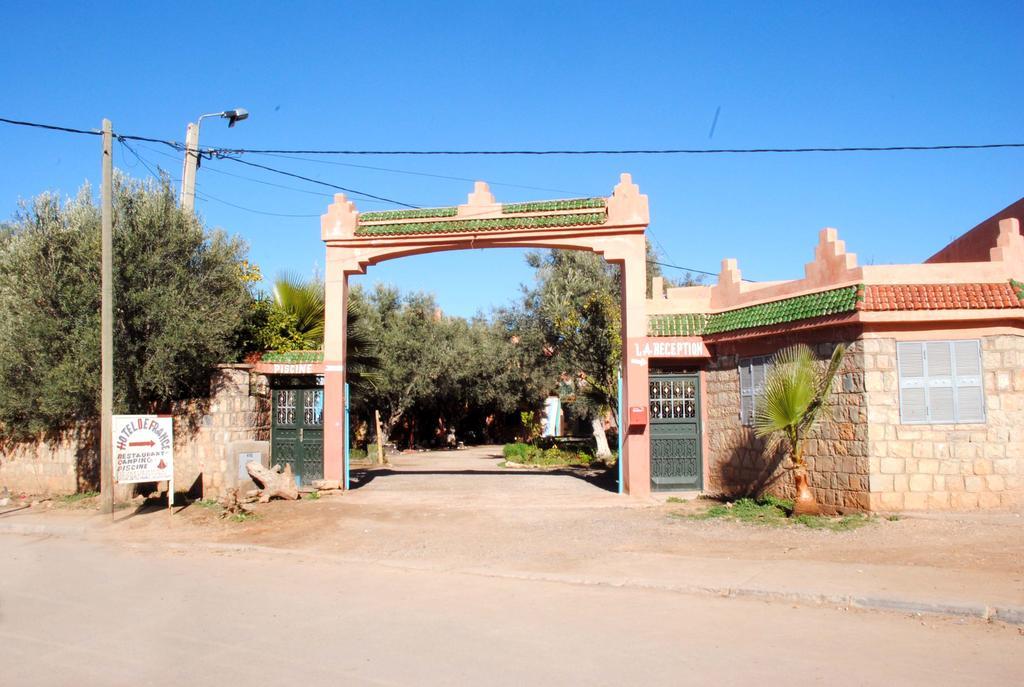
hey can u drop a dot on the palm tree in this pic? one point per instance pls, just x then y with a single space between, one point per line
795 397
304 302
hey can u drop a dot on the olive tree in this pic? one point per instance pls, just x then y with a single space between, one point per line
180 297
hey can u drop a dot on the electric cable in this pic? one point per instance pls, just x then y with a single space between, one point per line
206 196
316 181
630 151
177 145
425 174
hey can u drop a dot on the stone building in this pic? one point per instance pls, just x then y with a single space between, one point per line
928 412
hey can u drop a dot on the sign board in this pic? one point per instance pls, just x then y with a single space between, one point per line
670 347
143 449
243 460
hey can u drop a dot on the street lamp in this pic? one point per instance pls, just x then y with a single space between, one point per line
188 174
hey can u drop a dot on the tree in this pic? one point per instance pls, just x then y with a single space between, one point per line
180 295
303 303
796 395
413 354
575 304
293 320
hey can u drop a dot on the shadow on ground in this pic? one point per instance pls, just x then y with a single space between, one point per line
602 479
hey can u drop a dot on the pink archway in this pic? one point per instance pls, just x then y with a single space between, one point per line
613 227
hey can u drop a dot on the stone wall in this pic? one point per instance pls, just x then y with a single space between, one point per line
238 411
205 433
951 466
837 452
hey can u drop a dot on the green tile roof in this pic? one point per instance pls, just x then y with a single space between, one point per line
477 225
1018 288
685 324
294 357
423 213
553 205
807 306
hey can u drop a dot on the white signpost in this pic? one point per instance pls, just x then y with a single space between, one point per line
144 450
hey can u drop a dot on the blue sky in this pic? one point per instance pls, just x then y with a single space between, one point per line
450 75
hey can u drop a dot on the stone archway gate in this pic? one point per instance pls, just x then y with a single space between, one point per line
612 227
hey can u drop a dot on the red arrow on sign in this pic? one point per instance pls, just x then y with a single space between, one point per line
149 443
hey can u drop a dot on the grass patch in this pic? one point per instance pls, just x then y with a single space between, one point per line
674 499
841 524
772 511
311 496
207 503
527 454
76 498
242 516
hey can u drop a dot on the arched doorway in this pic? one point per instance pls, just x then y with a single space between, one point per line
613 227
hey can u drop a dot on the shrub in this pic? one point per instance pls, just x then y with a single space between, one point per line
553 456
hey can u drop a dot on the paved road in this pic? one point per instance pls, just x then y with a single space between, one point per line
90 613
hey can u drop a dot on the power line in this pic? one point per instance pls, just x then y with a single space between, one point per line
51 127
628 151
226 152
677 267
145 164
268 183
208 153
315 181
260 181
421 174
687 269
122 139
207 196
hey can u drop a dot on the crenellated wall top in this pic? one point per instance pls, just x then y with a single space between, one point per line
482 214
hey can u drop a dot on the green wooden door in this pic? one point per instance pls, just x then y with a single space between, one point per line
297 432
675 432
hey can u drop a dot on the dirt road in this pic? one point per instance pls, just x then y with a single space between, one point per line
447 569
84 613
459 507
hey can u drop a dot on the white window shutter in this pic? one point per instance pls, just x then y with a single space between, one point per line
913 404
968 358
971 402
911 360
757 371
913 392
970 392
938 359
941 404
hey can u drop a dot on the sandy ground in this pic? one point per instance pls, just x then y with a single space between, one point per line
460 507
448 569
78 612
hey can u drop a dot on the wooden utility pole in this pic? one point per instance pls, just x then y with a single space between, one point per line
107 324
380 441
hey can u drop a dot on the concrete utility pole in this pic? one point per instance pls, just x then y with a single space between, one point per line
188 173
107 324
191 166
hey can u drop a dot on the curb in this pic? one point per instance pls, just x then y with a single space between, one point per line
1012 615
51 530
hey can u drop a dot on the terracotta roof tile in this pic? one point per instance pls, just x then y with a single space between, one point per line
882 297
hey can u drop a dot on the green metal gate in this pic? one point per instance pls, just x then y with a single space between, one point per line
675 432
297 429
